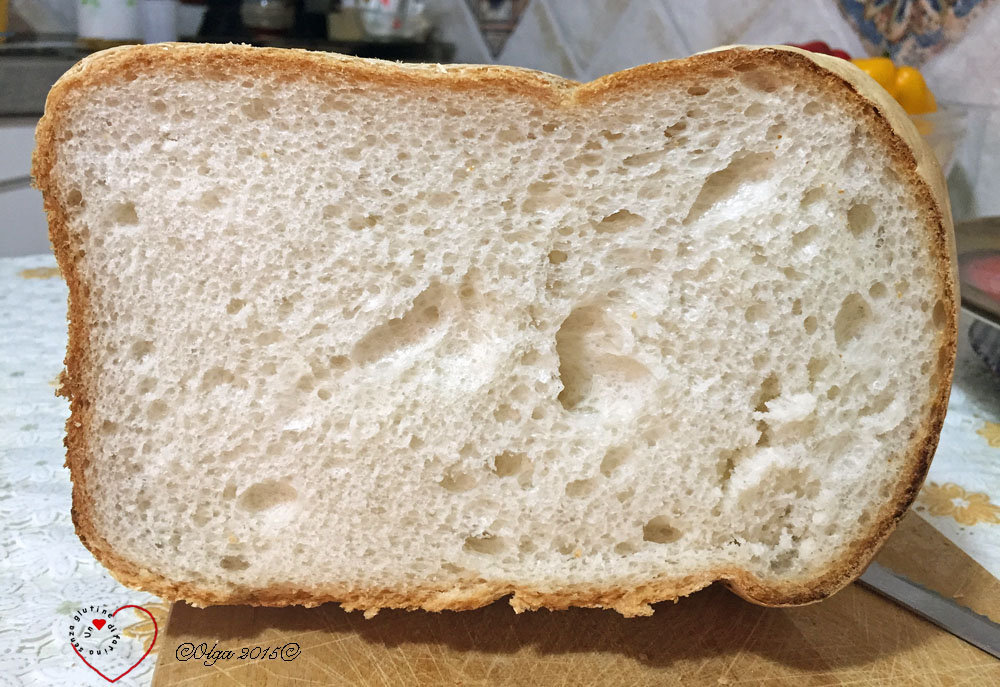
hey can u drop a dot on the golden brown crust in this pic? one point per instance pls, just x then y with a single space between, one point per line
890 125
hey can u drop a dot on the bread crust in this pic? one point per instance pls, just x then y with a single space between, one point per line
911 158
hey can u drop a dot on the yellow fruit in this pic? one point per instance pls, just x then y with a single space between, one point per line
912 92
879 68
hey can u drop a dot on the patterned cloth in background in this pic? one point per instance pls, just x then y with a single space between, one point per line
910 31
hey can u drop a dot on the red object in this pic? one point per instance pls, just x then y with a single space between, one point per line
983 273
813 46
99 623
822 48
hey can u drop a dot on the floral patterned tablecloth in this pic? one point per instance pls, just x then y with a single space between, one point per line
46 573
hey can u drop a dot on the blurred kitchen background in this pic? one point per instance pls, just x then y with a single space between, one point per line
954 43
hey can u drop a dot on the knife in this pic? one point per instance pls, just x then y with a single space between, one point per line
977 630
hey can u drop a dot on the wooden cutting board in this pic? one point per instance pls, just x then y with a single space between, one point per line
709 638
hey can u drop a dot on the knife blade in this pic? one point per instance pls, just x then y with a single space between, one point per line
964 623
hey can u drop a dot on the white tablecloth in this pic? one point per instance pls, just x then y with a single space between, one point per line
45 573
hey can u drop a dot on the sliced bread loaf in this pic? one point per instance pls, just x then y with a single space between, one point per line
426 336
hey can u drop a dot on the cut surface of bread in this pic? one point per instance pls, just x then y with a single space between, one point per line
426 336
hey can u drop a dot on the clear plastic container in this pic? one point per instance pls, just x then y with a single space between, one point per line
943 130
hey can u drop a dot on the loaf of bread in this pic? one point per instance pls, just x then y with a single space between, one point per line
428 336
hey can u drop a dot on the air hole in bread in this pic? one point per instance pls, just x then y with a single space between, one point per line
770 389
506 413
543 196
208 201
815 367
362 222
675 128
568 548
266 495
625 548
782 561
589 360
697 90
761 359
580 488
939 316
810 324
744 168
643 159
269 337
146 385
74 198
813 107
812 196
806 237
761 80
511 464
853 317
878 290
557 257
401 332
229 491
757 313
659 530
727 463
124 214
216 376
860 218
486 544
157 410
256 109
333 103
618 222
235 305
234 563
613 459
509 135
140 349
833 392
879 404
457 481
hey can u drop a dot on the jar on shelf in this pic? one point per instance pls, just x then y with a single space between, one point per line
268 17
